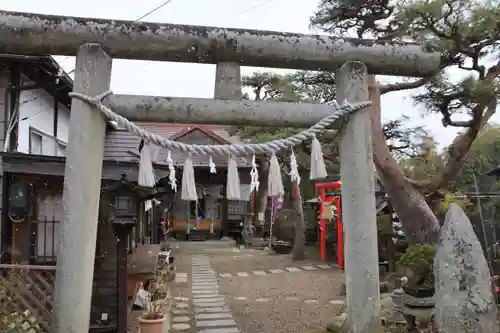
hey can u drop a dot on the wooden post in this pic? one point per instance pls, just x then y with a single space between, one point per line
358 205
122 231
227 86
82 183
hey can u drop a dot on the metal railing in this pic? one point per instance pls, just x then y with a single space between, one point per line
44 239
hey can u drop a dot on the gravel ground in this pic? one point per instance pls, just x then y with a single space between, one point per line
286 302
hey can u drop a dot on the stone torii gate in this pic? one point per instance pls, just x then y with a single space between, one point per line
96 41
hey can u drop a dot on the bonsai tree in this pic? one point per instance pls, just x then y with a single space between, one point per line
418 262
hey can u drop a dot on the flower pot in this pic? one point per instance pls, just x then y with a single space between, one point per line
151 325
281 247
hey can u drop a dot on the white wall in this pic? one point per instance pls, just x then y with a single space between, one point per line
36 110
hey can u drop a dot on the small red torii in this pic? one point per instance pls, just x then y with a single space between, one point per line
326 196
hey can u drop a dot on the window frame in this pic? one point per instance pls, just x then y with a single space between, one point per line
58 143
45 224
32 132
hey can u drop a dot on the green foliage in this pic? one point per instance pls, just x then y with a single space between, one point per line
425 161
456 198
384 224
483 156
419 259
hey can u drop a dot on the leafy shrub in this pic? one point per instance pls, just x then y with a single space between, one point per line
419 259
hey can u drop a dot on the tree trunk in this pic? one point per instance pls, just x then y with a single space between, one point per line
419 222
299 242
263 191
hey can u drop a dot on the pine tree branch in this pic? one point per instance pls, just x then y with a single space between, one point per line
458 150
386 88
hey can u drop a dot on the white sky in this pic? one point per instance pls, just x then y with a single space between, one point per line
193 80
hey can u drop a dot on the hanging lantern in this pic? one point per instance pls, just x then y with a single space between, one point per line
329 210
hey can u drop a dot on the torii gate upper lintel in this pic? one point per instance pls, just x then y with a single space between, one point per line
62 35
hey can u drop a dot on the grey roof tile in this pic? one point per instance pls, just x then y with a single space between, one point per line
122 146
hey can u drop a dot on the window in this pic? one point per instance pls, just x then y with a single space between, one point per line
41 143
36 141
61 149
47 228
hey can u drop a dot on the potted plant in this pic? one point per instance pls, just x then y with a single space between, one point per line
417 262
153 319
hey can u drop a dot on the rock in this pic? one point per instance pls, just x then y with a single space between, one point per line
464 298
385 295
388 314
337 323
343 289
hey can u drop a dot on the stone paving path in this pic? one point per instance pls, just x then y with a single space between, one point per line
182 277
211 314
271 293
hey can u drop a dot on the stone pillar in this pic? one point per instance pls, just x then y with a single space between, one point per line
227 86
358 205
228 81
82 183
464 297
